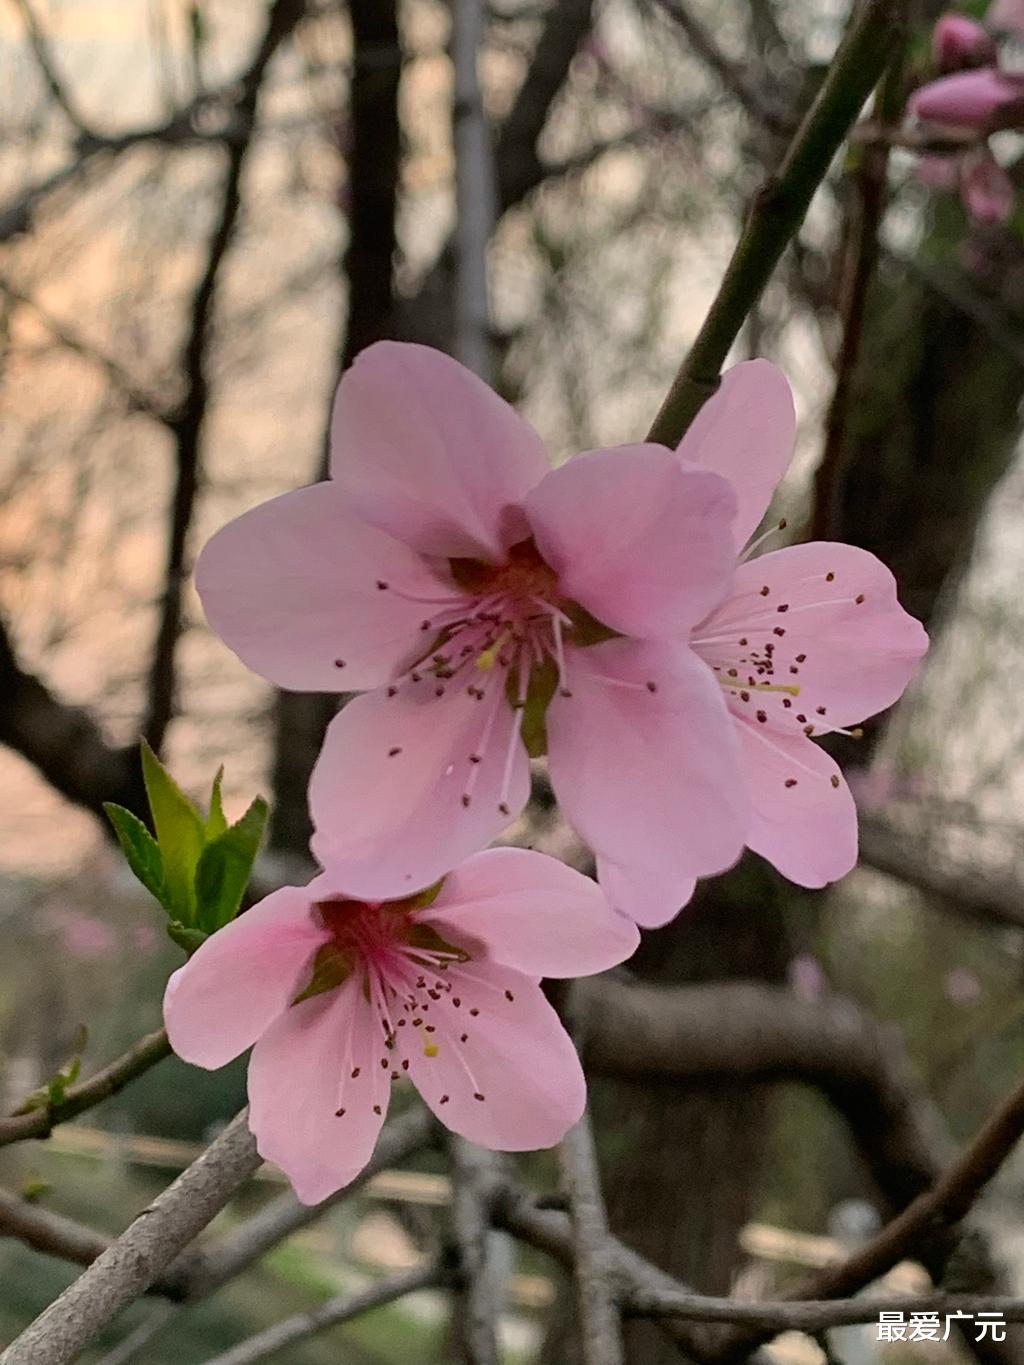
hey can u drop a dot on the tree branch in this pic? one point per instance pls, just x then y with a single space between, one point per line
330 1314
779 208
596 1310
40 1122
64 742
130 1265
201 1270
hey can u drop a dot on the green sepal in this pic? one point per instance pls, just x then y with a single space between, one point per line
216 821
540 689
331 967
422 899
185 936
426 937
225 866
139 847
54 1091
180 832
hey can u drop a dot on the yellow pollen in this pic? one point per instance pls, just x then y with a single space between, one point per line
487 658
734 685
430 1049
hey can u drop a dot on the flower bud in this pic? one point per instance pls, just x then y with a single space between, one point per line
983 100
958 42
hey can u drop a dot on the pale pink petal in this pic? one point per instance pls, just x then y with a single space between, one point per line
644 545
822 619
430 454
985 100
530 912
653 898
292 587
388 791
804 818
745 432
317 1091
498 1067
242 978
650 778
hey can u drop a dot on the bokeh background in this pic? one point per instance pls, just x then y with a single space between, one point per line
203 216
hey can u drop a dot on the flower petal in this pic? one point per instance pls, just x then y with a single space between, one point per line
292 587
804 818
430 454
499 1068
654 898
649 778
822 618
643 544
745 432
242 978
317 1091
531 912
388 791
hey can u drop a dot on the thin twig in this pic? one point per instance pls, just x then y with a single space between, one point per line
189 421
860 252
736 79
201 1270
130 1264
778 210
477 1304
135 396
330 1314
47 69
474 191
50 1233
40 1122
815 1315
597 1314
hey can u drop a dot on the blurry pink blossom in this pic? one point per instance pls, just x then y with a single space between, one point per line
959 42
811 640
806 978
962 986
485 602
343 997
986 189
85 937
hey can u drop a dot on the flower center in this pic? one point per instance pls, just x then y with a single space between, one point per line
502 636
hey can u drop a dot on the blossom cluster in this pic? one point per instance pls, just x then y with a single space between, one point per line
607 615
974 96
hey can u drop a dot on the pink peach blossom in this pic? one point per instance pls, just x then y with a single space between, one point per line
812 639
343 997
482 599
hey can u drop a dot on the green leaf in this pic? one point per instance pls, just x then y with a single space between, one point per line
225 867
216 821
330 968
139 847
185 937
180 832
